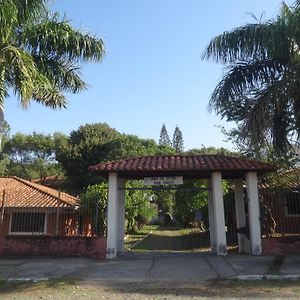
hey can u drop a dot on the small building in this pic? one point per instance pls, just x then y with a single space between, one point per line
29 208
56 182
212 168
280 196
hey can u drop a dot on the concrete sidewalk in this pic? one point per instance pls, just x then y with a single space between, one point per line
175 268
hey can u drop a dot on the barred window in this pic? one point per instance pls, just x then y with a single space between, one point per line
27 222
293 203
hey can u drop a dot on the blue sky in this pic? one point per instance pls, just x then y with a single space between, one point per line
152 72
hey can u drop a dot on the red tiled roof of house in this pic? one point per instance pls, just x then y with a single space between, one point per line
182 163
289 179
54 181
23 193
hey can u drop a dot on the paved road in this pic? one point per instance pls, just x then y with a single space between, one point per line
175 268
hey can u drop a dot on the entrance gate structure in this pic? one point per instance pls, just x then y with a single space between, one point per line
214 168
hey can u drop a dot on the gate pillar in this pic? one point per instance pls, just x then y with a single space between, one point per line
212 227
253 208
115 215
240 213
121 215
218 214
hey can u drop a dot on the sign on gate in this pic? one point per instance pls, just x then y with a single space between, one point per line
176 180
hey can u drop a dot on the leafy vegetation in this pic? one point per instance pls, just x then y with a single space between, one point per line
40 54
32 156
139 211
94 199
86 146
95 143
190 201
260 88
211 151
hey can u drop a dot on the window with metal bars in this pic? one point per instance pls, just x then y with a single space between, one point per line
293 203
27 222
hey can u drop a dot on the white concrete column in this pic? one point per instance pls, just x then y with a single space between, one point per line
240 212
211 218
253 209
218 211
121 215
112 216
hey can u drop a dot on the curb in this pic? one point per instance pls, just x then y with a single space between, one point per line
266 277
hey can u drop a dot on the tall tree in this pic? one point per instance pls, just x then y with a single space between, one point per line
178 140
86 146
33 156
261 86
164 139
95 143
40 54
261 151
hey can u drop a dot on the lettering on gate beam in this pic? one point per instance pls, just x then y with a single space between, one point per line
176 180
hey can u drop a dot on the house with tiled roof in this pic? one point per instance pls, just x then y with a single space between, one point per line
280 193
55 181
29 208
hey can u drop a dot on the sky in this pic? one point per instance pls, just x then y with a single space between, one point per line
152 72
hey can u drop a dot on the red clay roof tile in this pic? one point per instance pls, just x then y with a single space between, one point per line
23 193
167 163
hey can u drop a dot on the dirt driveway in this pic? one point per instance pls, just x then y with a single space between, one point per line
69 288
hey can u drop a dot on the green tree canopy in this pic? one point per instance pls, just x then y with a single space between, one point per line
93 203
260 89
188 200
211 150
33 155
86 146
261 151
95 143
138 210
128 145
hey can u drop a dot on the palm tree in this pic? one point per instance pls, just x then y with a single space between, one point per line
40 54
260 89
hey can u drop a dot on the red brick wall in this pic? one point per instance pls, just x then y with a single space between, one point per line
94 247
281 245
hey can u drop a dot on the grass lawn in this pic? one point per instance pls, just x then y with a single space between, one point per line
158 238
134 238
71 288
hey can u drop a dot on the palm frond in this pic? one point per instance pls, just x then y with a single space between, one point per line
49 96
3 89
281 129
64 74
241 79
29 10
8 20
40 55
23 72
59 39
270 114
253 41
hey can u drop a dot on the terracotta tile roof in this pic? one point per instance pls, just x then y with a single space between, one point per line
289 179
23 193
55 181
181 163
